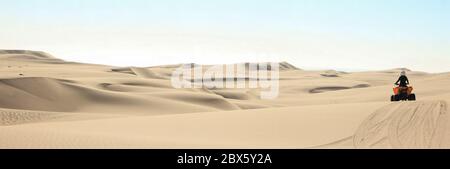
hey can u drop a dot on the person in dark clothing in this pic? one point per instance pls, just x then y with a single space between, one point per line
402 80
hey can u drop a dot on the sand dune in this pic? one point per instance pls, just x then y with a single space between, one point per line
24 55
140 72
32 54
46 102
335 88
406 125
13 117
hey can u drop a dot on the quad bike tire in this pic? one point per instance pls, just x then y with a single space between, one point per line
393 98
396 98
412 97
403 96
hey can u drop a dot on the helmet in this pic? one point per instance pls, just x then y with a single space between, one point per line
403 73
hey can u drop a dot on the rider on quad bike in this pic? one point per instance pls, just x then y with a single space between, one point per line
402 80
403 91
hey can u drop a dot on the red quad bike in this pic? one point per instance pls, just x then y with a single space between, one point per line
403 94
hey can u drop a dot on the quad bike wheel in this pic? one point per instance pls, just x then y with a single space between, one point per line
412 97
403 96
393 98
396 98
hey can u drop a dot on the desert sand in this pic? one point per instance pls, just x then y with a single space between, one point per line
46 102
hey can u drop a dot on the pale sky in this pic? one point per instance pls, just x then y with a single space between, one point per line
331 34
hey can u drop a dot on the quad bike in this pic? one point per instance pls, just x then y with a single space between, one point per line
403 94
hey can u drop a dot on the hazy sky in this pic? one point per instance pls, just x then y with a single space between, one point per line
337 34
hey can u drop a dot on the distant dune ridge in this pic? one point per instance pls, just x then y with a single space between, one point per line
46 102
27 55
37 54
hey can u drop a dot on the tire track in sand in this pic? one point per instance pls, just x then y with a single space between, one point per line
422 124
